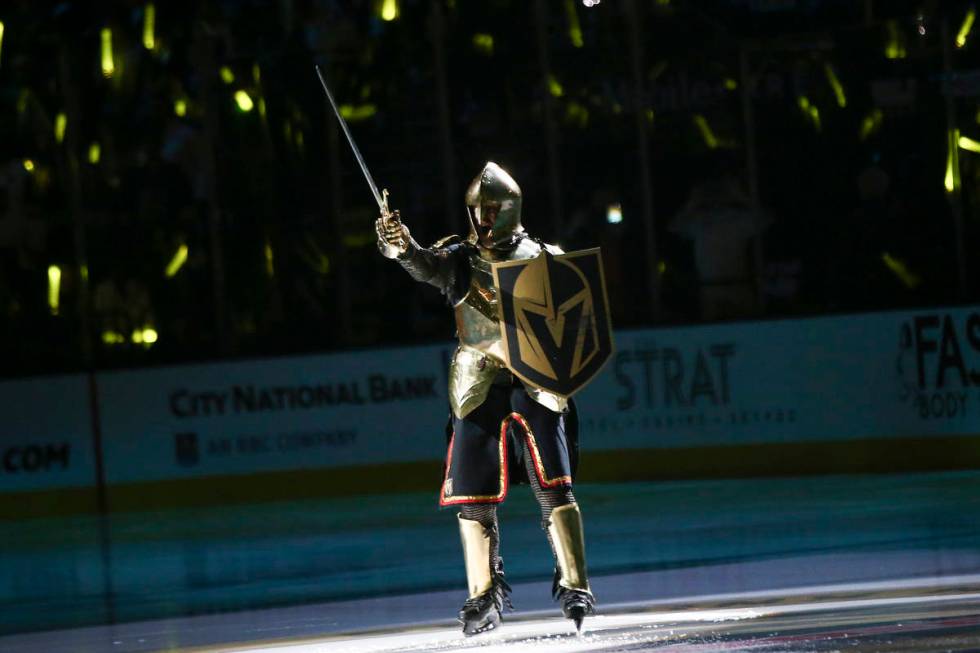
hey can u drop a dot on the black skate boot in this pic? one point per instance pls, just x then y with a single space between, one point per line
482 613
489 592
575 604
571 586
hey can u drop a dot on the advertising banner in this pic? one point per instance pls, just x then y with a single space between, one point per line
822 379
354 408
855 377
46 434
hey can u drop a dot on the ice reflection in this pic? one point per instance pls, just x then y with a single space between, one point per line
664 540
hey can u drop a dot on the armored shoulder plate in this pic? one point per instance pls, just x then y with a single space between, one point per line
454 239
526 248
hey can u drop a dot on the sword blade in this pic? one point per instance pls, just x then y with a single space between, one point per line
382 204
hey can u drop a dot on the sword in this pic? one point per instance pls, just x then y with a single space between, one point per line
382 197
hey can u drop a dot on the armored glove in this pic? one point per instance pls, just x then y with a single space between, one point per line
393 236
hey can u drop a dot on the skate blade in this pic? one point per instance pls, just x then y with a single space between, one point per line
488 626
481 630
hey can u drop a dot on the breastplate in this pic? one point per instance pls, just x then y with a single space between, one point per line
480 356
476 315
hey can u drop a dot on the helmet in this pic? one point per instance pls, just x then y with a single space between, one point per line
493 201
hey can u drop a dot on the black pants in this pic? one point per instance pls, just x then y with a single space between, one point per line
508 432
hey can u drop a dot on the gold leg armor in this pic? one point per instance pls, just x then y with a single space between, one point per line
476 553
569 541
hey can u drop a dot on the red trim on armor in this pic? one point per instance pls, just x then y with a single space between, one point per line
532 446
502 449
449 457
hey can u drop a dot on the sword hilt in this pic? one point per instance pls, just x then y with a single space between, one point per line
385 212
390 217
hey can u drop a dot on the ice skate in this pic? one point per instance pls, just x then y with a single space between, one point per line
576 605
489 592
571 586
482 613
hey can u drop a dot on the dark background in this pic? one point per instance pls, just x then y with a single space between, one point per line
734 206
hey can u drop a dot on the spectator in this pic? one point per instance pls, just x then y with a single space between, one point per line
719 221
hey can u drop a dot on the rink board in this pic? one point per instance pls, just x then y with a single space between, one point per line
45 434
47 457
846 378
885 392
362 408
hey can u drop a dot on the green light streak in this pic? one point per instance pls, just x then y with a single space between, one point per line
54 288
270 261
835 84
965 28
810 111
895 46
871 123
177 262
149 27
554 86
353 113
952 178
901 270
389 10
60 125
574 27
709 136
108 66
967 143
483 43
244 101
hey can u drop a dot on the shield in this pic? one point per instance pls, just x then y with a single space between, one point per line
554 319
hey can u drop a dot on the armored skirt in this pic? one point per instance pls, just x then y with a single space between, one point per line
487 447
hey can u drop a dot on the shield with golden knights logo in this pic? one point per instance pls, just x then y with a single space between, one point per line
554 319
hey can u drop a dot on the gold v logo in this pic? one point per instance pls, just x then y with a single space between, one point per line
554 319
571 323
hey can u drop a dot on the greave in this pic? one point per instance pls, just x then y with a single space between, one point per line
568 540
476 553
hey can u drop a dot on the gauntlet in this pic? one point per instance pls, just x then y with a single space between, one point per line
393 236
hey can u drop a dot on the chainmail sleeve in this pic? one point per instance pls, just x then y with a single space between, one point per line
446 268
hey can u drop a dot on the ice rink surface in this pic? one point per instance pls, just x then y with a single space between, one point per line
947 622
915 615
859 563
